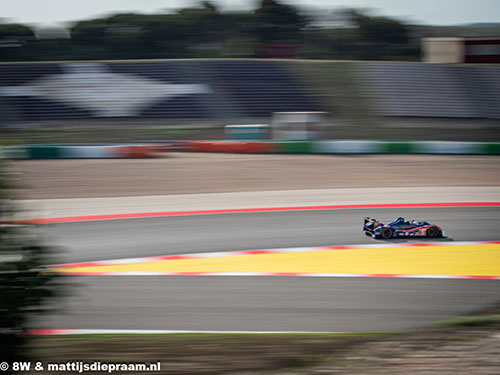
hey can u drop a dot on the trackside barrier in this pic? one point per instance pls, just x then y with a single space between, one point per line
493 148
257 147
418 147
13 152
87 152
294 147
136 151
397 147
43 152
196 146
348 147
80 151
232 147
451 148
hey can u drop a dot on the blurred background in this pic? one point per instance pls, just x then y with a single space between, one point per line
320 103
371 69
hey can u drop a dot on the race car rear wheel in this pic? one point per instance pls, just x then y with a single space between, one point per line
386 233
432 232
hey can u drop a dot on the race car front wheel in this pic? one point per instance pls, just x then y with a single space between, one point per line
386 233
432 232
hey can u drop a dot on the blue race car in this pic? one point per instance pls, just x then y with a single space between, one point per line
401 228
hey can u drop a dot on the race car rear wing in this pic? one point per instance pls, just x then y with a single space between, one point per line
370 225
370 220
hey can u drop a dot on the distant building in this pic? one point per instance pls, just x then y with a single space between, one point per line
461 50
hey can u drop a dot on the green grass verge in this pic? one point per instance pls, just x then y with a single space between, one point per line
470 321
200 353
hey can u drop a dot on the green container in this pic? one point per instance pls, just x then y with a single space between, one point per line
43 152
398 147
294 147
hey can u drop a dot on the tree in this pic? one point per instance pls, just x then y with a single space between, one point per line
25 290
378 29
15 40
89 32
278 22
15 31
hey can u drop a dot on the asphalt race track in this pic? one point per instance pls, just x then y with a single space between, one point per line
267 303
113 239
260 303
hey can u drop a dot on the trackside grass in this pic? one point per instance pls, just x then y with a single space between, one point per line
464 344
471 321
199 353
